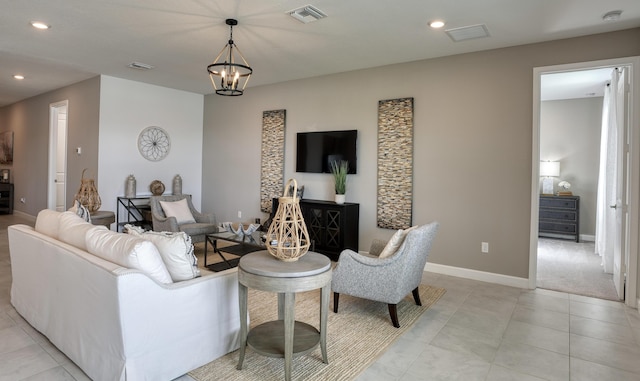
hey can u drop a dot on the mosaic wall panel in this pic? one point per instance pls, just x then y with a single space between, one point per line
272 165
395 163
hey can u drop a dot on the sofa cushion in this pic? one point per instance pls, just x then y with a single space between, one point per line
48 222
175 249
178 209
73 229
128 251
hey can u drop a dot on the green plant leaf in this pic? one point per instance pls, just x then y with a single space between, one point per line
339 172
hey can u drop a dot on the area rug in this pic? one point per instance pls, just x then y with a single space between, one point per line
356 336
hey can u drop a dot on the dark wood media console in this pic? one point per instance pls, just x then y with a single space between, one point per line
332 227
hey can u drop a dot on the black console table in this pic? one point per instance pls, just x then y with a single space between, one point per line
332 227
559 216
6 198
136 211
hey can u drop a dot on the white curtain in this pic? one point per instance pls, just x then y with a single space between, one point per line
606 216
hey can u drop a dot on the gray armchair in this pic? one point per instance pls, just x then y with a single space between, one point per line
205 223
389 279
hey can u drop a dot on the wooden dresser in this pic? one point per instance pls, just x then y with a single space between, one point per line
559 217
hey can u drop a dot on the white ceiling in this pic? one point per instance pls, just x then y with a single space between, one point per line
574 84
180 38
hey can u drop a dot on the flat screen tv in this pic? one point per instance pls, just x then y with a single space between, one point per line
316 150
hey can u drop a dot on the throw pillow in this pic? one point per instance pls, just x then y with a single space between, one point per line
48 222
72 230
128 251
81 211
128 228
178 209
176 251
395 242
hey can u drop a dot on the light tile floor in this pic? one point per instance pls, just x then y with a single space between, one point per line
476 331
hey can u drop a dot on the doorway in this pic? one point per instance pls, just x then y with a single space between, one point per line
628 239
57 188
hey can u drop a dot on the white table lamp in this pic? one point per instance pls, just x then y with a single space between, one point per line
549 170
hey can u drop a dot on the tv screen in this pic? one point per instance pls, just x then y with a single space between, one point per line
316 150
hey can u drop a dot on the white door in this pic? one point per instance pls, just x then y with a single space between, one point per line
627 205
57 189
622 176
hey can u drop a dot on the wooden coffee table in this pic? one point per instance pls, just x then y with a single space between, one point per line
284 337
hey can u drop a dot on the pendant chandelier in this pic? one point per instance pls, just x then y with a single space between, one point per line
229 75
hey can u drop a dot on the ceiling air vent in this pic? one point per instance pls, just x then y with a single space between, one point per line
468 32
307 14
139 66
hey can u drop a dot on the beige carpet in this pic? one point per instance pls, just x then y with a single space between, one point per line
573 267
356 336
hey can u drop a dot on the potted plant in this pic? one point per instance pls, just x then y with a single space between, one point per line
339 172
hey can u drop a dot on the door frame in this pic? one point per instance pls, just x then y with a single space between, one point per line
53 151
632 230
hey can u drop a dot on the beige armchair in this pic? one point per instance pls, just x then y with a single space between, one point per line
201 224
388 279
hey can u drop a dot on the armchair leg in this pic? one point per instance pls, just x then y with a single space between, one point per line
416 296
336 296
393 311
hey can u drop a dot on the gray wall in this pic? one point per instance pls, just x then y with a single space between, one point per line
29 120
473 142
570 134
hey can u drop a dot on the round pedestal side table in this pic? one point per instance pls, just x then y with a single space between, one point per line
284 337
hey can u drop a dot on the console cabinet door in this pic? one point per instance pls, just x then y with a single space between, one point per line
332 227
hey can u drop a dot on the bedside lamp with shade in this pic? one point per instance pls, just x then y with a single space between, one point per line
549 170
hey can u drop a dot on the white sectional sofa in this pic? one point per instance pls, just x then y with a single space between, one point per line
114 322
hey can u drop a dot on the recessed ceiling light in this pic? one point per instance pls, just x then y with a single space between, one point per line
18 76
612 16
436 24
40 25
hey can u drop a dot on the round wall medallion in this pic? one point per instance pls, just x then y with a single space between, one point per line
154 143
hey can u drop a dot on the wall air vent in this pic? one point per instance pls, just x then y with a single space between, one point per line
139 66
468 32
307 14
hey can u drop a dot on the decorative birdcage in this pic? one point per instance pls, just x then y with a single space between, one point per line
287 237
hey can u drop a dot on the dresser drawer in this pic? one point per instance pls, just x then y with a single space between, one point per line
558 203
564 215
560 228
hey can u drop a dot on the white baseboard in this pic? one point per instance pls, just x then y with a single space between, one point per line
505 280
588 237
25 215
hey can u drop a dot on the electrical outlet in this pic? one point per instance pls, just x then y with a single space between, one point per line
239 214
23 200
485 247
